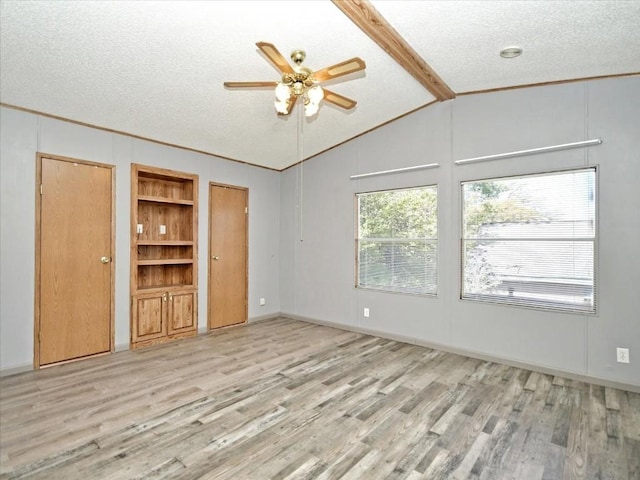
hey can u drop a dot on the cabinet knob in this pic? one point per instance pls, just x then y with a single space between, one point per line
105 259
215 257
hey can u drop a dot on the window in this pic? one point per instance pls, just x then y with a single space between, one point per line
531 240
397 240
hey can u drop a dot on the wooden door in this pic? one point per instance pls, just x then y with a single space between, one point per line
228 250
74 301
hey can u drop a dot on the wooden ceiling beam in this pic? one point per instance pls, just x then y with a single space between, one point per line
369 20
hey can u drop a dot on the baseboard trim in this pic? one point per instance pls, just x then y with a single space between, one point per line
471 353
6 372
262 318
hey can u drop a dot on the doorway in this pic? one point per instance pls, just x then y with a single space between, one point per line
74 301
228 255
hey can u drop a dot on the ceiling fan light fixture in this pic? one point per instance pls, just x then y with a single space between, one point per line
310 109
297 88
315 94
283 92
282 107
511 52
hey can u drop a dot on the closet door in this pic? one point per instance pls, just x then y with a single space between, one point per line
228 249
74 260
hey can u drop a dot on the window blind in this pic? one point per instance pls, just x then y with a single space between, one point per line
397 240
531 240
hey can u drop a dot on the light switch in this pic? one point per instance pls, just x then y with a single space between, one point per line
139 228
163 229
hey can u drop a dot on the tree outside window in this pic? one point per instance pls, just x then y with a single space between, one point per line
397 240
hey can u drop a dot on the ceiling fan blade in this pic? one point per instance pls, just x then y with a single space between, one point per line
249 84
339 100
275 56
352 65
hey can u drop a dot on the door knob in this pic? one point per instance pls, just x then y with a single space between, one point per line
104 259
216 257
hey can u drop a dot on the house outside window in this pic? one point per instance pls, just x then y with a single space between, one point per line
397 240
531 240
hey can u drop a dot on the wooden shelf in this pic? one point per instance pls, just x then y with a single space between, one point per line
173 201
166 261
164 267
161 174
165 288
167 243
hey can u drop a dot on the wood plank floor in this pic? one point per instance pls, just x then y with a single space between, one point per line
283 399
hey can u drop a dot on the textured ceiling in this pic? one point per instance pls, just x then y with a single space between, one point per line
156 69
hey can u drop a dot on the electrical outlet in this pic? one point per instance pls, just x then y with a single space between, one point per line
163 229
263 302
623 355
366 312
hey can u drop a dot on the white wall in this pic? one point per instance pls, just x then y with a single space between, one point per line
23 134
301 254
317 273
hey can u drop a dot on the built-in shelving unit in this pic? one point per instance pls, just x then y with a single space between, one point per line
164 220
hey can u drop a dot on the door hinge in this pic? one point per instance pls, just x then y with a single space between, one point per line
41 189
246 209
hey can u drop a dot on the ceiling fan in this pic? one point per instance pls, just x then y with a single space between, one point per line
301 82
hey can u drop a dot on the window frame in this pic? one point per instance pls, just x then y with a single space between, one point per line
534 304
357 240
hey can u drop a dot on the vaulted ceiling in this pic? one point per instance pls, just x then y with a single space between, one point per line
155 69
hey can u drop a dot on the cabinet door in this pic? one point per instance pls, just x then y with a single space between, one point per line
149 317
182 315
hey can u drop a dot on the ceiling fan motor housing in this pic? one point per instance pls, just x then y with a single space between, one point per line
299 80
